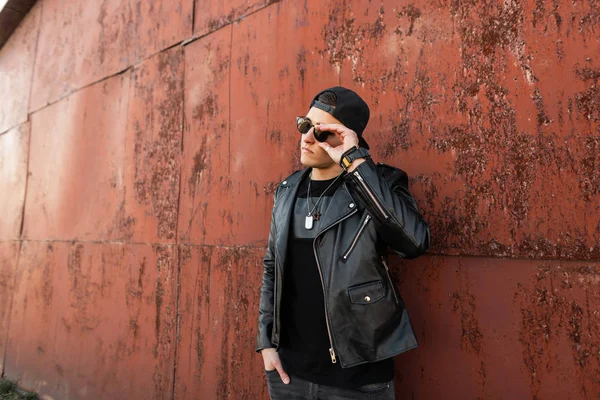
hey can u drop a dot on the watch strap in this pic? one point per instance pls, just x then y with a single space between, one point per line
353 153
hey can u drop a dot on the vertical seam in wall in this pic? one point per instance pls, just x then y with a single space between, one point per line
177 319
229 100
193 17
178 278
35 56
21 227
131 70
130 59
181 145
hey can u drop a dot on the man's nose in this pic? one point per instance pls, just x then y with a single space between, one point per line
309 136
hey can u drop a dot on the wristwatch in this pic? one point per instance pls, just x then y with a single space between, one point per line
353 153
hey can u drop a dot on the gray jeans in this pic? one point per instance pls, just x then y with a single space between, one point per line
299 389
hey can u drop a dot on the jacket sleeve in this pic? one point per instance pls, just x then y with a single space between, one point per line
267 292
385 195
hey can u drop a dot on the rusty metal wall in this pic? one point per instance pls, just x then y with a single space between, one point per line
141 142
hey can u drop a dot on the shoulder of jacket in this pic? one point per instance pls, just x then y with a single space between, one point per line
291 179
392 173
383 168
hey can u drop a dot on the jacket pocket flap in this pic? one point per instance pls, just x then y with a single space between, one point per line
366 293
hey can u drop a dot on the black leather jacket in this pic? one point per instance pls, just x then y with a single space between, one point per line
365 315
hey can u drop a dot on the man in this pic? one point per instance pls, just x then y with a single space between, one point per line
330 318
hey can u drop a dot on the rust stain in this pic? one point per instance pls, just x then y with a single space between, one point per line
588 102
464 303
345 39
200 165
208 107
554 308
123 223
48 277
301 64
412 13
270 188
158 295
165 314
590 168
156 175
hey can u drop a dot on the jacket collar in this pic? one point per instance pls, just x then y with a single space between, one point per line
341 205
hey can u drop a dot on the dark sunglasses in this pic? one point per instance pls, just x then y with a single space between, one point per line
304 125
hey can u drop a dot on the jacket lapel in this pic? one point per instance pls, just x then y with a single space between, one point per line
285 210
341 205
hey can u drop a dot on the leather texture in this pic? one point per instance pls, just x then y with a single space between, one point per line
371 211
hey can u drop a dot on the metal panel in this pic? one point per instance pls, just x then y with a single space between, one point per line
78 150
8 266
14 147
219 309
16 67
154 134
83 42
494 328
493 109
94 321
275 76
205 212
212 15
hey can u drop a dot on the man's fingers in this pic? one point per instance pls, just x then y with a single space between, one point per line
325 146
333 127
282 374
340 131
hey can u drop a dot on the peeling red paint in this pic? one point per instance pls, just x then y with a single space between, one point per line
95 323
156 114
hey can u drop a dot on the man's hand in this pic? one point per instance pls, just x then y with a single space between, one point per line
348 137
272 361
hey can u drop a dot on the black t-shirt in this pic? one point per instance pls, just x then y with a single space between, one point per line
304 345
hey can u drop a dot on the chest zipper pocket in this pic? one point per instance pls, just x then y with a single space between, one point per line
362 227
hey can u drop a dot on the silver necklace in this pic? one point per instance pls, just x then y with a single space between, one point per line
312 216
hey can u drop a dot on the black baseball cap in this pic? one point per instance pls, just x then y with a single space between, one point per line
350 109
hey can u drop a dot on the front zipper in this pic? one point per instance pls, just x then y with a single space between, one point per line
331 350
371 195
362 227
387 272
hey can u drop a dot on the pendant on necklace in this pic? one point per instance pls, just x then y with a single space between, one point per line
316 216
308 222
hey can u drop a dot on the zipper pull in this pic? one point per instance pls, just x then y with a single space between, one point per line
332 354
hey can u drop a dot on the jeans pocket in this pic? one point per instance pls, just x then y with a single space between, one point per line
272 373
378 387
272 376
